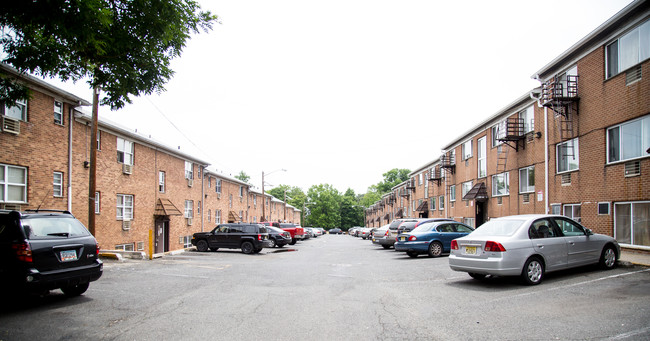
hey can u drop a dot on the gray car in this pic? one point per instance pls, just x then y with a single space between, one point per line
530 246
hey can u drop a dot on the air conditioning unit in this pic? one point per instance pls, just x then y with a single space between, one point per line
12 207
190 182
126 224
10 125
127 169
189 221
218 195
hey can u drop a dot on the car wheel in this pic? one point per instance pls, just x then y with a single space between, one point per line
533 271
608 258
75 290
280 245
476 276
293 241
257 251
386 247
412 254
247 248
435 249
202 245
214 249
272 243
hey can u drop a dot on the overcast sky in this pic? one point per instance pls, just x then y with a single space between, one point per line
341 91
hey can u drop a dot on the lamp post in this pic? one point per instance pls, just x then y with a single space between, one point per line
264 196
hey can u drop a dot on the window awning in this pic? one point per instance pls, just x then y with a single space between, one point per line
478 193
424 206
166 207
233 216
386 217
400 213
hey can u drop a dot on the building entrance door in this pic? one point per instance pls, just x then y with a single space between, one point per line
481 212
161 235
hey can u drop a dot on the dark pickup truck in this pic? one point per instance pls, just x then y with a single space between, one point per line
250 238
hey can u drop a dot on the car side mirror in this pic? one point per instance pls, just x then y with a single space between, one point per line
588 232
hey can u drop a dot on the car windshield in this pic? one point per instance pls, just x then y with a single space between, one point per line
423 228
498 227
274 229
36 227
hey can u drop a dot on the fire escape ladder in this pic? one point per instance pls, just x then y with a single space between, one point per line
502 158
565 126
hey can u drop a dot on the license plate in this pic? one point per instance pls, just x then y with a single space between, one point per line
373 239
403 239
470 250
68 256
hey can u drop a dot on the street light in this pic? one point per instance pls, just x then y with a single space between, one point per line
263 196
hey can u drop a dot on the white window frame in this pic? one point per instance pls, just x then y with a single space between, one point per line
217 185
466 149
6 184
17 111
98 205
622 63
124 206
573 208
643 141
241 191
217 216
441 202
189 170
466 187
528 187
528 116
420 179
189 209
161 181
452 193
432 204
58 112
57 184
481 151
501 128
505 180
125 151
570 167
631 219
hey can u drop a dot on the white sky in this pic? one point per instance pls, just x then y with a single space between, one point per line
341 91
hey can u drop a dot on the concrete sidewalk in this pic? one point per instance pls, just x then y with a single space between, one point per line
633 257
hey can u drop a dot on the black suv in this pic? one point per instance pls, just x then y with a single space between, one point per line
250 238
42 250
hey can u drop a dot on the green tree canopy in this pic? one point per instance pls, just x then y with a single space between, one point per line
352 213
323 206
392 178
242 176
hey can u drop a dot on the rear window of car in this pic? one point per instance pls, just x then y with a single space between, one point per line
498 227
287 225
274 229
395 224
48 226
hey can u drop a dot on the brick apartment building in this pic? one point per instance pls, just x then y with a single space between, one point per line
143 185
579 145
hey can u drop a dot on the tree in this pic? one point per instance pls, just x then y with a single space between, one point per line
324 206
242 176
392 178
123 47
294 196
352 214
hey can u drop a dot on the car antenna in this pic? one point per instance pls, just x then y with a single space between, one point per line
42 201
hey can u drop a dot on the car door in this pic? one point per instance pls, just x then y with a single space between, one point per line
219 237
446 233
581 250
548 242
234 236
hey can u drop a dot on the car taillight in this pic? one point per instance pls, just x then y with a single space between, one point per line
454 245
412 238
259 237
387 233
97 250
23 252
494 247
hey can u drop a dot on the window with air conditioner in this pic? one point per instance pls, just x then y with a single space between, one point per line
217 185
467 149
124 207
189 170
18 111
189 209
124 151
13 184
629 140
572 211
628 50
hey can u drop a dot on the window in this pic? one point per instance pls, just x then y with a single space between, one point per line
13 184
572 211
632 223
420 179
161 182
467 150
209 214
468 222
97 202
567 156
18 111
569 228
187 241
189 209
498 131
467 186
58 184
189 170
556 209
603 208
217 185
124 207
124 247
241 191
433 203
629 140
217 216
527 179
500 184
98 140
58 112
230 200
528 117
441 201
124 151
452 193
482 157
628 50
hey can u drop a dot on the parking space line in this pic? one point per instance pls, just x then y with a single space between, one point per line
631 334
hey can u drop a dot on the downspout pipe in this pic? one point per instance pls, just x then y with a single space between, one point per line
69 182
546 151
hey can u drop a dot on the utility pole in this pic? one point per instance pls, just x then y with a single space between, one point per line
263 200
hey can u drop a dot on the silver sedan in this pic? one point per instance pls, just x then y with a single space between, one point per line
530 246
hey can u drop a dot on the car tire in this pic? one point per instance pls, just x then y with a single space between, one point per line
280 245
435 249
272 243
533 271
213 249
75 290
202 245
386 247
412 254
476 276
293 241
247 248
608 258
257 251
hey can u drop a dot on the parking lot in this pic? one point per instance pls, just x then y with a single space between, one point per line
331 288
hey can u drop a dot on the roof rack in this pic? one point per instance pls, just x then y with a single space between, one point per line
47 210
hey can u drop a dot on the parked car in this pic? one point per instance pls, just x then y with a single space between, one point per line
410 224
317 232
530 246
353 231
379 233
364 232
250 238
42 250
322 230
335 230
388 239
278 237
432 238
297 232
